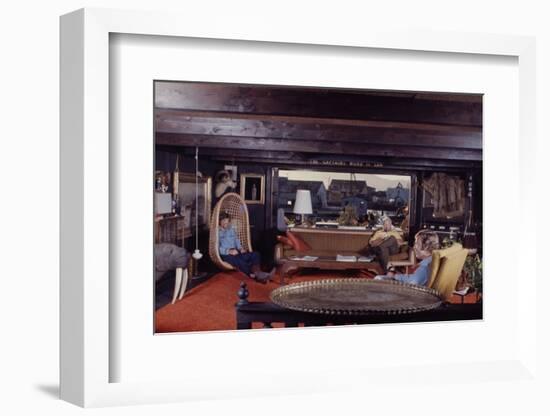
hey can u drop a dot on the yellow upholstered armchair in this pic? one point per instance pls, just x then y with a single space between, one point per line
447 265
235 206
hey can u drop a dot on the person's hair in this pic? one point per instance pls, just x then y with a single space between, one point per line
429 240
223 216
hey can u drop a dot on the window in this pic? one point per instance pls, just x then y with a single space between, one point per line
370 195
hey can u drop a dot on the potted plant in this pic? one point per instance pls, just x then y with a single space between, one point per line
473 268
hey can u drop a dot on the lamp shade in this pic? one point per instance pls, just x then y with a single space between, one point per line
302 205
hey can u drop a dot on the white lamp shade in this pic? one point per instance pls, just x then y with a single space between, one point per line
302 205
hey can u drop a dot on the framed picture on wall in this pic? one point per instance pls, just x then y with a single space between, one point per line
184 190
252 188
232 170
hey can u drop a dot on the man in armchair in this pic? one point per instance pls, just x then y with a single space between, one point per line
386 242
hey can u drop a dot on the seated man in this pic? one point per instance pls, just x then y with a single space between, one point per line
385 242
232 252
424 243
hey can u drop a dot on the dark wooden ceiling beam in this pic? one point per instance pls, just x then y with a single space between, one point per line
228 155
234 153
314 146
452 109
170 114
278 129
403 166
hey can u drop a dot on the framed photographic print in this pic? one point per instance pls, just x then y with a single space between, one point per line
252 188
110 60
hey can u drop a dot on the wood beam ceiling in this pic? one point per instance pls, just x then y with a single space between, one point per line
270 123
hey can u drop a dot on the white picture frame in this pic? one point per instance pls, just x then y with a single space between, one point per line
86 199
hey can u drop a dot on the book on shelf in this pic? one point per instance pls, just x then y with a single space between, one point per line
340 257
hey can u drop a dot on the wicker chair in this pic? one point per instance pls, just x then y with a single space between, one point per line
235 206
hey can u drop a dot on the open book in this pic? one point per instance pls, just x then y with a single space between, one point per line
339 257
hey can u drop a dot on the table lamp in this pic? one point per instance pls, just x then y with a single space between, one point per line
302 204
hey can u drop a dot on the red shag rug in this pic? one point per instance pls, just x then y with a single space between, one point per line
211 305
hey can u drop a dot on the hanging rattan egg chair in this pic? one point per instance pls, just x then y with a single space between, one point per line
235 206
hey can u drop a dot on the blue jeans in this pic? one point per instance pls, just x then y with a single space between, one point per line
243 262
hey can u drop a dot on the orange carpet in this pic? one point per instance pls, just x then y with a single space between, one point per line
211 305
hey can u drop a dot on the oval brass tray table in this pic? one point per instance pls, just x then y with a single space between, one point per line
352 296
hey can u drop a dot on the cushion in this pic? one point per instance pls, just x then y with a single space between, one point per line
284 240
297 243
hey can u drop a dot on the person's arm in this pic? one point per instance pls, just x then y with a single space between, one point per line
223 248
398 237
236 241
225 242
376 239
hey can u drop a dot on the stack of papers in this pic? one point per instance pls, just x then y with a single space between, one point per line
368 259
304 258
462 292
339 257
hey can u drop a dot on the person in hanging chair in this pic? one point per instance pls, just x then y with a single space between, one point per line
232 252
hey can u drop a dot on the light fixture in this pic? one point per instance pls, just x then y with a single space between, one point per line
197 255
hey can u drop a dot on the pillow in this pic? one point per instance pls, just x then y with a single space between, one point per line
297 243
284 240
